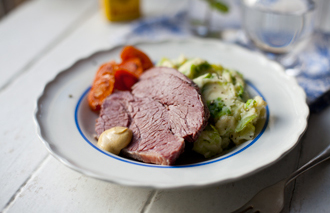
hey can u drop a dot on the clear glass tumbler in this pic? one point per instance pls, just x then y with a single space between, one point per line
278 26
199 17
209 21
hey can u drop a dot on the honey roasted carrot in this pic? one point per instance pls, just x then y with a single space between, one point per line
131 52
132 65
112 76
103 85
124 80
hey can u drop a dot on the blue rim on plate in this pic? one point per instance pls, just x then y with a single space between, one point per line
285 123
179 166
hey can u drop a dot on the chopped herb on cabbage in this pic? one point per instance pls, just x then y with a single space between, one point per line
218 108
232 120
200 69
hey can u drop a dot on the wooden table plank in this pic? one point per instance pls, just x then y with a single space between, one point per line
21 151
56 188
29 31
225 197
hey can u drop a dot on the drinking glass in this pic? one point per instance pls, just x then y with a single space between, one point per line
281 27
199 17
206 20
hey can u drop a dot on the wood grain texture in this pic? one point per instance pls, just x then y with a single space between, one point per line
28 32
56 188
21 151
225 197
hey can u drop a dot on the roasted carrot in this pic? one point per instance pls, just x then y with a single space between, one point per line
103 85
124 79
110 66
123 76
131 52
132 65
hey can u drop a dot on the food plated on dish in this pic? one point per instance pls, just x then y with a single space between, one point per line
233 114
165 107
66 124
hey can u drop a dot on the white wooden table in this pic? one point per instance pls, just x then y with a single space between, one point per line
43 37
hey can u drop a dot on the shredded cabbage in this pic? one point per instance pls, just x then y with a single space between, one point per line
232 120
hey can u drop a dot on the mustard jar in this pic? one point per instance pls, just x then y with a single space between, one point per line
121 10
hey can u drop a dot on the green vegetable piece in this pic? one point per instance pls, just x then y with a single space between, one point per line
240 90
225 111
217 68
206 79
244 122
199 69
166 63
209 142
217 108
194 68
250 103
246 134
209 76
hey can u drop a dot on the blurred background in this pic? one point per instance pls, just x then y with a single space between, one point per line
7 5
295 33
322 14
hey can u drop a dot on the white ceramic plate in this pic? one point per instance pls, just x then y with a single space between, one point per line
66 125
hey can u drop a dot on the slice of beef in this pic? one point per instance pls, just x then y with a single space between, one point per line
114 112
155 71
164 109
152 142
188 113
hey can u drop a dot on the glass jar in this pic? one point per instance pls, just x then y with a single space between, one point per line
121 10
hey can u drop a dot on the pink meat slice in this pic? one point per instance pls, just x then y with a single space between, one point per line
152 142
188 113
164 109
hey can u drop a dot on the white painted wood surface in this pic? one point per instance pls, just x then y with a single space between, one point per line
22 41
22 152
55 188
30 31
33 181
225 197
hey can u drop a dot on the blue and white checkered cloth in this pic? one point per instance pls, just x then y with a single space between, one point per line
314 60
